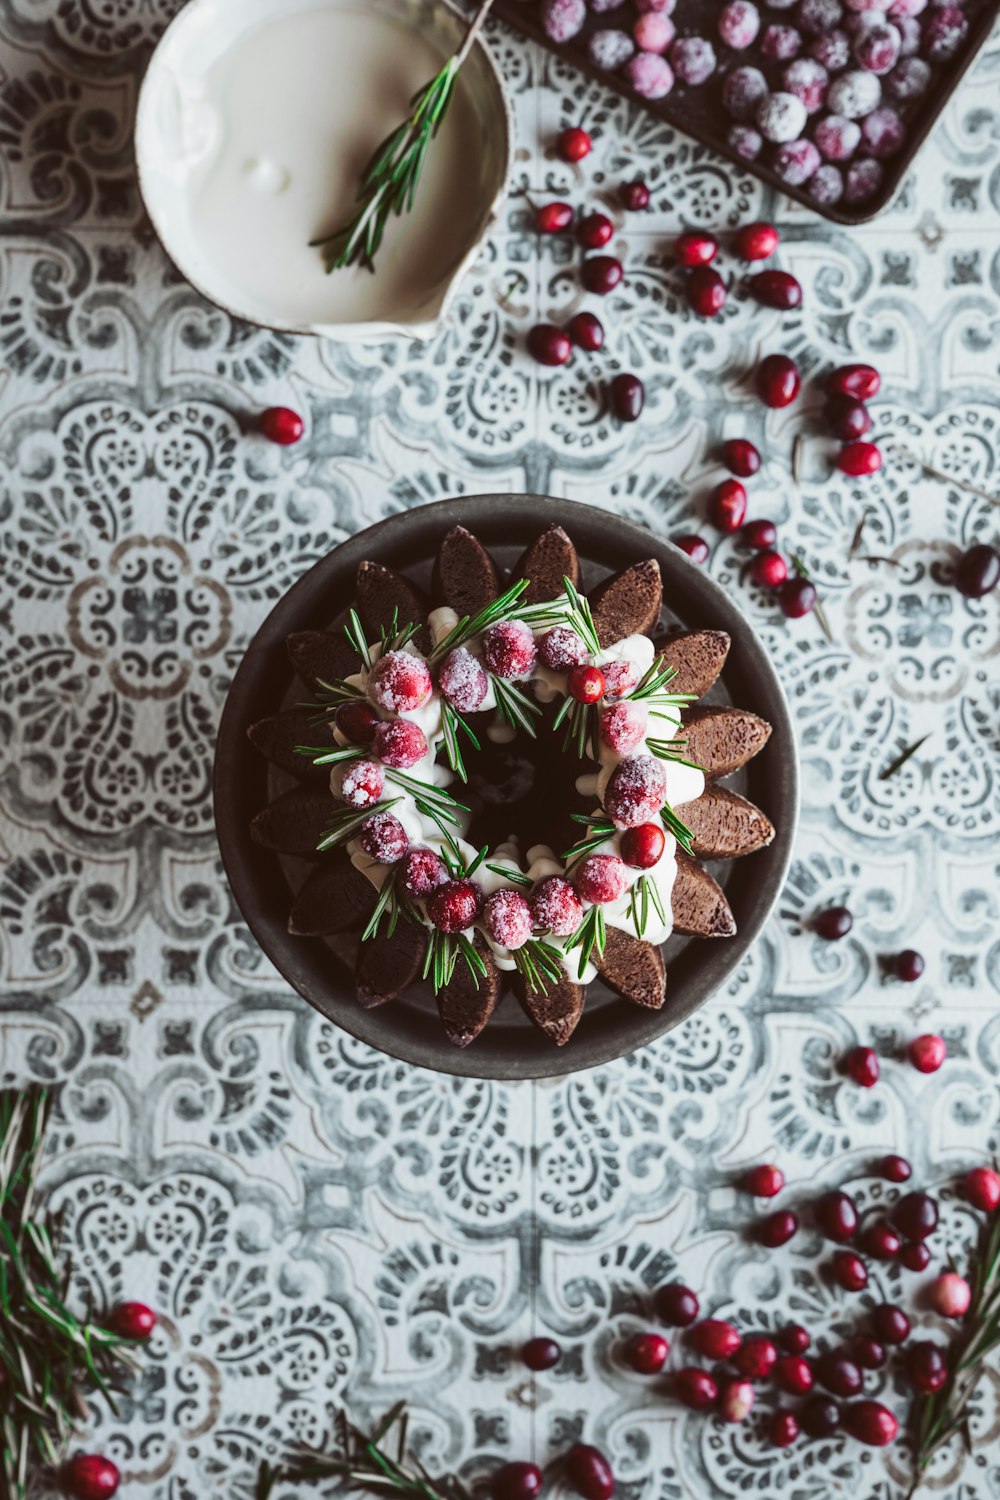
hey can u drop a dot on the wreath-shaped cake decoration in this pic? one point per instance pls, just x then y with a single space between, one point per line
407 699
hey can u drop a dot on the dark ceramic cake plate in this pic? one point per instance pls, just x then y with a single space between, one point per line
264 884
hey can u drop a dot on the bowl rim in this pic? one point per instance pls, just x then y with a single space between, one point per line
368 332
251 696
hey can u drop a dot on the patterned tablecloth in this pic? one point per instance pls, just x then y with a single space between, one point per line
317 1223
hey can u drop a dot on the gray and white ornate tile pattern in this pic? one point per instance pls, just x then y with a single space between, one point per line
317 1223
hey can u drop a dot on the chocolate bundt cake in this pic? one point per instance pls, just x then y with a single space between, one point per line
508 785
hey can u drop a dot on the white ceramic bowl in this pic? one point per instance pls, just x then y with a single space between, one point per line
228 76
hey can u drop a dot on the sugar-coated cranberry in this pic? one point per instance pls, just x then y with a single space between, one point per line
601 274
860 381
517 1481
695 1388
858 460
745 142
400 682
636 791
548 345
826 186
653 32
574 144
794 163
650 75
832 50
740 457
782 1428
634 196
562 20
837 1216
383 838
883 133
837 138
847 418
556 907
839 1374
696 547
868 1352
356 721
281 425
759 535
756 1357
818 16
876 47
399 743
594 231
854 94
864 178
462 680
768 569
739 23
777 380
362 783
553 218
982 1188
561 648
915 1256
862 1066
895 1168
927 1052
727 507
693 59
507 918
90 1476
820 1417
676 1305
609 48
454 906
794 1374
619 676
765 1181
642 847
421 871
950 1295
706 291
881 1242
944 32
870 1422
695 248
977 571
586 331
541 1353
781 117
133 1320
797 596
646 1353
915 1216
586 684
780 43
778 1228
926 1367
849 1271
623 727
808 80
628 396
589 1472
742 91
736 1399
509 649
715 1338
600 878
794 1338
909 78
908 965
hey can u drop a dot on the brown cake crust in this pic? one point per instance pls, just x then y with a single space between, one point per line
386 965
320 656
628 603
334 898
382 592
697 656
699 906
295 822
634 969
465 575
725 825
464 1009
277 736
721 740
556 1012
550 558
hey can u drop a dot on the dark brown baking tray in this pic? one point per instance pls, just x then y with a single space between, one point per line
698 112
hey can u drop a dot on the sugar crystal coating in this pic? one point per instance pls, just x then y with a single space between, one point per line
781 117
833 50
507 918
562 19
422 870
462 680
454 906
781 43
837 138
650 75
944 31
399 743
623 727
600 878
561 648
908 79
818 16
636 791
556 907
796 161
808 81
383 838
748 143
854 94
509 649
864 178
619 676
400 682
653 32
739 23
876 47
883 132
609 49
362 783
693 59
826 186
742 91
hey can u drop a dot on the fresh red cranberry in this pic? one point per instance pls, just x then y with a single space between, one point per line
849 1271
860 381
399 743
777 289
706 292
915 1256
778 381
636 791
356 722
870 1422
736 1399
362 783
950 1295
462 680
623 727
695 1388
421 871
908 965
881 1242
794 1374
600 878
556 907
400 682
982 1188
541 1353
642 847
794 1338
454 906
797 596
586 331
634 196
782 1429
756 1357
548 345
890 1324
676 1305
728 506
509 649
383 838
589 1472
926 1367
862 1066
768 570
915 1216
507 919
977 571
517 1481
646 1353
868 1352
601 274
820 1417
777 1229
740 457
133 1320
839 1374
760 535
594 231
895 1168
553 218
756 241
715 1338
847 418
696 547
628 396
574 144
561 648
89 1476
695 248
764 1181
281 425
927 1052
837 1216
586 684
858 460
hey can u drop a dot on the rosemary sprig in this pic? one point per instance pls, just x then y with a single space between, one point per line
392 904
396 636
668 750
580 618
503 608
431 800
539 965
514 706
601 829
590 937
444 949
333 694
452 725
581 720
346 822
673 824
355 632
643 895
516 877
325 755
